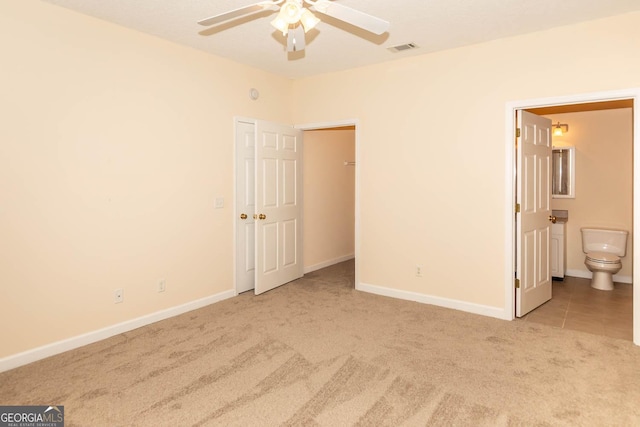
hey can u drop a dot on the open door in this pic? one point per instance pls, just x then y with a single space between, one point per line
533 212
245 205
278 210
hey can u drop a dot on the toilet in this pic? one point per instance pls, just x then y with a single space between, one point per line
604 248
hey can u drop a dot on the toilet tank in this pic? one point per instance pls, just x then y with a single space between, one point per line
604 240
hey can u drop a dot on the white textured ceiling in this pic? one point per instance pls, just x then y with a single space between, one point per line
433 25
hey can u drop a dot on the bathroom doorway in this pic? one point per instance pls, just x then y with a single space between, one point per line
570 105
598 137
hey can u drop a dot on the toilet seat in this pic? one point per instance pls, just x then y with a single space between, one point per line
603 258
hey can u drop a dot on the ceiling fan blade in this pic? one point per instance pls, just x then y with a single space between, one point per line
351 16
237 13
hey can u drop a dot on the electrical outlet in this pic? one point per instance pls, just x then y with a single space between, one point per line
118 296
418 271
162 285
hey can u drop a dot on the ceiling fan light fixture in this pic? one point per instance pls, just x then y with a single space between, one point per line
308 20
294 19
289 14
280 25
291 11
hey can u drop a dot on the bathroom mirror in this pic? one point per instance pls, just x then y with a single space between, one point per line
563 179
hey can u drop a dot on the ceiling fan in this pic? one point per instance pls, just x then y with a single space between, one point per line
294 20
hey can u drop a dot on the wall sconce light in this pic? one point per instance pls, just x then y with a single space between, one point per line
560 128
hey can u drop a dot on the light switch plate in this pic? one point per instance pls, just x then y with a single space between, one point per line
219 202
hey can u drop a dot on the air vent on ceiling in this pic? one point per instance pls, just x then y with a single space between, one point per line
403 47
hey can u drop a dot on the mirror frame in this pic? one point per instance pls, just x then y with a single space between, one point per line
571 151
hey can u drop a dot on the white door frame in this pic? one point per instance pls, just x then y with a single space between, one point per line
337 124
510 188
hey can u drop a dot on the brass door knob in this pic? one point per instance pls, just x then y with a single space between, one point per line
553 219
262 216
243 216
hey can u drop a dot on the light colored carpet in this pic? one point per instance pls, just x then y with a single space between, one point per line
316 352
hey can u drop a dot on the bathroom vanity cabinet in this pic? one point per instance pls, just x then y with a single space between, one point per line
558 250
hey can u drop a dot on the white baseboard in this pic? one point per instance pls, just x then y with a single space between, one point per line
586 274
328 263
29 356
483 310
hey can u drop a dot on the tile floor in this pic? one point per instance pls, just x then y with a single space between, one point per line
576 305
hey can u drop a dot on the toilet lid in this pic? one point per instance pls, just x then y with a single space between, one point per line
603 257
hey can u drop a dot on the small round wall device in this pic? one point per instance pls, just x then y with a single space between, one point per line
254 94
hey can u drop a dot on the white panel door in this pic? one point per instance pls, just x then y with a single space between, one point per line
533 234
245 206
278 205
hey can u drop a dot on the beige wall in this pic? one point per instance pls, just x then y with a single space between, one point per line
432 147
604 166
329 196
113 147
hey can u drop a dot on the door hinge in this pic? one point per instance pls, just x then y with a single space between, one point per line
517 132
517 207
517 283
